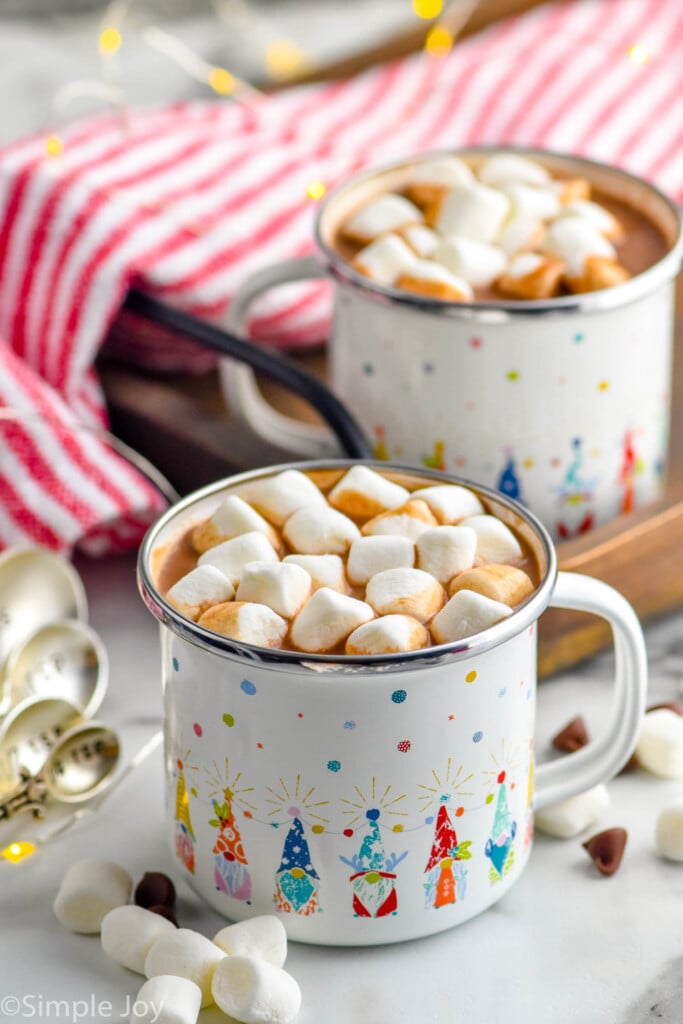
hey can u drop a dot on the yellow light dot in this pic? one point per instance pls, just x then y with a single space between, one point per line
110 40
439 41
528 464
428 8
316 189
317 829
639 54
512 375
53 145
397 828
221 81
17 851
471 676
283 58
603 385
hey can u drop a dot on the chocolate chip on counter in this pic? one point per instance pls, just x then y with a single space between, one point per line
667 705
606 849
154 889
572 737
163 911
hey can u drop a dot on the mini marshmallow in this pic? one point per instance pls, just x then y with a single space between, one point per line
465 614
388 635
405 592
598 272
572 239
532 276
520 233
89 890
475 211
262 937
669 832
327 619
255 992
503 168
410 520
185 954
600 218
659 749
277 497
444 551
447 171
385 259
232 518
495 541
320 531
362 493
530 201
478 263
324 570
248 622
434 281
569 817
385 213
421 239
231 556
282 586
504 583
370 555
129 932
449 502
167 999
199 589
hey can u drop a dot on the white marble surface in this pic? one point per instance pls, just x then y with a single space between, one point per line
565 945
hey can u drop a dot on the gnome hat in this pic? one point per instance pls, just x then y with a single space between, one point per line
182 804
502 822
372 848
445 839
295 852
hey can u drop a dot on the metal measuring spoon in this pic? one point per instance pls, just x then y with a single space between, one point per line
78 767
29 733
65 660
37 586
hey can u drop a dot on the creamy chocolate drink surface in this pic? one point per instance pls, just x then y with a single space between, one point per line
495 228
357 561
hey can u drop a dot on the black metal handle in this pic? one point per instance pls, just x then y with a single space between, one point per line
349 433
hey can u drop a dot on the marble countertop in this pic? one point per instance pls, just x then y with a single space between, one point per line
565 944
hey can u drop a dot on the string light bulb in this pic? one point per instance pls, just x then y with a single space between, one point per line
439 41
221 81
639 53
283 58
53 145
316 189
110 40
428 8
16 852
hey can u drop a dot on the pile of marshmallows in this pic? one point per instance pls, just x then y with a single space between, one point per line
424 580
240 969
511 226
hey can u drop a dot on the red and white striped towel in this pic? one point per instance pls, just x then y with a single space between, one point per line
188 200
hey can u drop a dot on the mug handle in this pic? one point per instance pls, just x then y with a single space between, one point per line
239 384
601 759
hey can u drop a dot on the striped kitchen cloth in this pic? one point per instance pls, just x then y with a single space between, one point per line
188 200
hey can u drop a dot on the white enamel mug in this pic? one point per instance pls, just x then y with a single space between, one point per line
561 404
370 800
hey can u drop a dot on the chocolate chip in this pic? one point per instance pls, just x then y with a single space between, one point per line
155 889
573 736
606 849
163 911
668 705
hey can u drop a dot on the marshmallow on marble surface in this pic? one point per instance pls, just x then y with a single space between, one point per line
129 932
263 937
569 817
572 239
362 493
320 531
659 749
255 992
370 555
231 556
503 168
465 614
598 272
495 541
444 551
504 583
282 586
233 517
167 999
531 201
669 832
277 497
385 259
388 634
248 622
385 213
89 890
327 619
410 592
185 954
324 570
600 218
434 281
531 276
421 239
519 233
478 263
199 589
474 211
410 520
449 502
